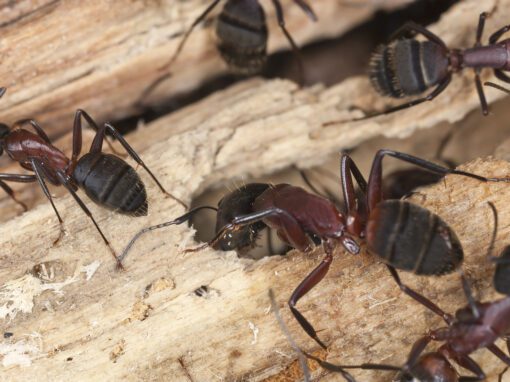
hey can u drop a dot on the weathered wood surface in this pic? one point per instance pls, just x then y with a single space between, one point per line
138 324
58 56
286 117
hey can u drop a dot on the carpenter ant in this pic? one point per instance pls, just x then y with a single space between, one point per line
407 67
402 234
106 179
242 35
477 325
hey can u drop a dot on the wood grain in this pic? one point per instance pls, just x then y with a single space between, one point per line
58 56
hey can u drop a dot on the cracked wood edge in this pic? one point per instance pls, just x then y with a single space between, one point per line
100 55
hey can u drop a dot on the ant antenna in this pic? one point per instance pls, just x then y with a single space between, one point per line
179 220
496 86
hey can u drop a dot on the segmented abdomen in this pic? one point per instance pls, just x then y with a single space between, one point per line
407 67
111 182
412 238
242 36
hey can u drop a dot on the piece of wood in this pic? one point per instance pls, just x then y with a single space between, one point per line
74 317
59 56
144 323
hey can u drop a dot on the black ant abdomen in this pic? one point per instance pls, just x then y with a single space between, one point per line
111 182
397 228
407 67
242 36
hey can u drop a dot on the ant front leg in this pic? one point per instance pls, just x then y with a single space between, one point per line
20 178
356 216
97 144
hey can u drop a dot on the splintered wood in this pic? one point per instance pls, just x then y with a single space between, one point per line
68 314
101 55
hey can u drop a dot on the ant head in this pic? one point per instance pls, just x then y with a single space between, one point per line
239 239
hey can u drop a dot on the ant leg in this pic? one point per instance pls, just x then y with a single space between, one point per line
375 178
496 86
500 377
501 75
347 168
497 35
197 21
481 94
499 353
303 288
414 355
38 129
479 30
307 9
438 90
149 89
97 143
417 29
38 173
469 295
468 363
419 298
77 139
20 178
179 220
295 49
64 181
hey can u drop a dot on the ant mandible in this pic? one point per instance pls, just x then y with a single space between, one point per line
107 179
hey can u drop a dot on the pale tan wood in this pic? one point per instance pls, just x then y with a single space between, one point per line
97 322
58 56
137 324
